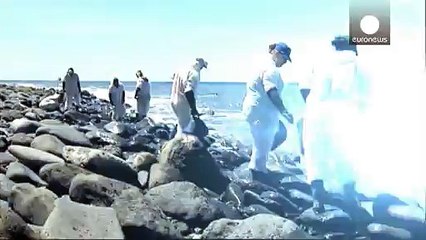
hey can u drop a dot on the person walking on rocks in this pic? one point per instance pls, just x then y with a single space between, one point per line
334 109
183 95
263 108
142 94
71 87
117 99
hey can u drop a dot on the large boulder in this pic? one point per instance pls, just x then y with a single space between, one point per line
96 189
140 217
50 103
6 158
381 231
260 226
71 220
34 204
48 143
12 226
142 161
73 116
66 134
101 162
6 186
59 176
33 158
186 202
20 173
10 115
24 125
189 155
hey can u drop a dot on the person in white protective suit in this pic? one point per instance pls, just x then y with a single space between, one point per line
117 98
72 89
263 107
142 94
334 107
184 90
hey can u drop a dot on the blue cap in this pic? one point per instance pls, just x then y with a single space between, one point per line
342 43
284 50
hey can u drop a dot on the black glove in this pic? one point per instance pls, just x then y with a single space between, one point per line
195 113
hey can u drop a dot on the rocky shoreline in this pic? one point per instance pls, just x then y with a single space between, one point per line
78 175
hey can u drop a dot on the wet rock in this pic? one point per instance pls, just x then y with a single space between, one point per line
140 217
256 209
251 198
73 116
228 158
112 149
19 173
96 189
332 220
294 182
191 158
68 135
143 161
72 220
24 125
234 194
12 226
4 143
121 129
33 158
59 176
21 139
301 199
48 143
6 186
162 174
51 122
6 158
385 232
228 210
34 204
143 178
287 205
261 226
50 103
186 202
101 162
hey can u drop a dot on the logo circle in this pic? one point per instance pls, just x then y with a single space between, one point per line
369 24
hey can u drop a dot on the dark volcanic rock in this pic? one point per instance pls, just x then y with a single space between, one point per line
140 217
332 220
96 189
24 125
234 194
121 129
101 162
186 202
385 232
6 158
191 158
12 226
34 204
66 134
10 115
59 176
73 116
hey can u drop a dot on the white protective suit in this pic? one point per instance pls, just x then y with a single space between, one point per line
117 101
72 94
262 115
144 97
333 121
182 82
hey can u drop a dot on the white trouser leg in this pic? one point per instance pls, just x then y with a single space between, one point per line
263 137
183 114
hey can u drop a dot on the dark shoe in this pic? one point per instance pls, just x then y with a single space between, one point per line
319 194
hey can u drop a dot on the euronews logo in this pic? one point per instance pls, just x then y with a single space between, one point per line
369 22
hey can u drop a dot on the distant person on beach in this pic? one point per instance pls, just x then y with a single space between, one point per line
184 90
262 107
72 89
142 94
332 116
117 98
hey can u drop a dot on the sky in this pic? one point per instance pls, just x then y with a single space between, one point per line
102 39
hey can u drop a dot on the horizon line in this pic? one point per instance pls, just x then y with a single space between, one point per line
157 81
